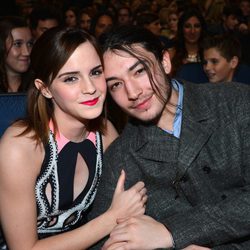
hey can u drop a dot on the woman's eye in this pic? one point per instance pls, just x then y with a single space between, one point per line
197 26
17 44
30 44
70 79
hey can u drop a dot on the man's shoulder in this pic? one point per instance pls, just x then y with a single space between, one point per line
221 100
126 140
221 91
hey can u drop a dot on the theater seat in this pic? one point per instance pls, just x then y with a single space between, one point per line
242 74
192 72
12 107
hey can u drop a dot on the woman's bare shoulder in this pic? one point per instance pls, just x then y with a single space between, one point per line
19 151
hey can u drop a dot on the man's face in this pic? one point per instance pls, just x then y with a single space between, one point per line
44 25
129 84
245 7
124 17
103 24
85 22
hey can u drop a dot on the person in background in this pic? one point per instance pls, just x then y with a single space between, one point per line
71 14
43 18
190 145
16 43
52 161
245 9
169 19
173 24
124 16
221 57
230 21
187 46
85 18
151 21
101 23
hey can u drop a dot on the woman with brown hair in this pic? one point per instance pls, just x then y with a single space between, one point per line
51 162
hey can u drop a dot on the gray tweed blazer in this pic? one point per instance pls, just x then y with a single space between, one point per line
198 185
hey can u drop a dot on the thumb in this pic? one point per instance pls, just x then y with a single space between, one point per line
120 183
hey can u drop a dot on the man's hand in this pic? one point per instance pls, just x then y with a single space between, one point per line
141 232
195 247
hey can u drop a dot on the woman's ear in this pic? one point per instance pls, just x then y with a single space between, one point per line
41 87
166 63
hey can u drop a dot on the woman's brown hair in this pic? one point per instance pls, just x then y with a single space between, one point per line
50 52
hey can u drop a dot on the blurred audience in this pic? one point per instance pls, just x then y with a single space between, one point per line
169 21
151 21
230 21
101 23
43 18
124 16
85 18
70 16
245 9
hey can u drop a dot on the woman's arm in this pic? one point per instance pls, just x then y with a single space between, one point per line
20 162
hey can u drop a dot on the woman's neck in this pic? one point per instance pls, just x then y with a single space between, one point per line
192 48
72 129
14 82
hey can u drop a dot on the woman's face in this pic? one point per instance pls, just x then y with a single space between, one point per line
18 48
154 27
79 89
85 22
192 30
70 18
173 22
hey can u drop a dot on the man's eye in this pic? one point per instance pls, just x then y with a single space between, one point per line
96 72
204 62
140 71
214 61
114 86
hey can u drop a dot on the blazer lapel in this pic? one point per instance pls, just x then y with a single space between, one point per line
198 124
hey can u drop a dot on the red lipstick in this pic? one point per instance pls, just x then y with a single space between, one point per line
91 102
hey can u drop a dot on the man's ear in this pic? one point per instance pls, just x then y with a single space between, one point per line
41 87
234 62
166 63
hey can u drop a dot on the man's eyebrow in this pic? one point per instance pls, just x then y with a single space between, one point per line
134 66
129 69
